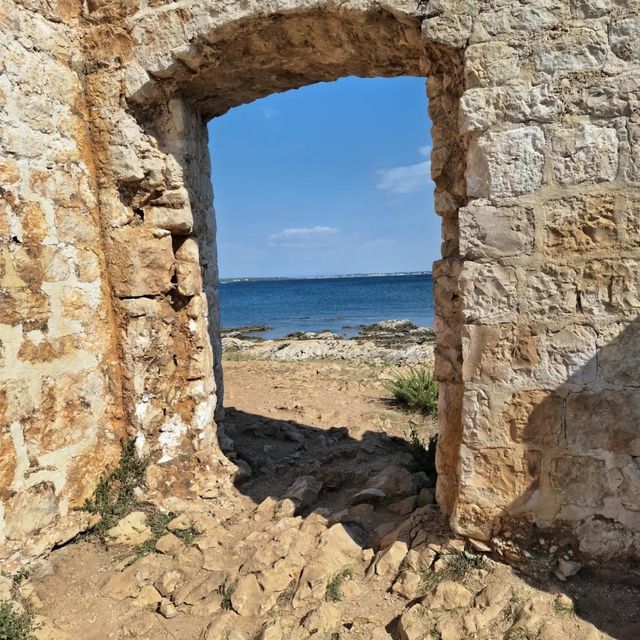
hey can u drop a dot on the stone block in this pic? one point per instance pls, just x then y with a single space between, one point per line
534 418
632 167
489 293
482 108
606 420
141 261
177 221
449 29
189 278
567 357
491 232
619 354
505 163
584 153
498 477
580 224
573 49
624 37
490 64
549 291
610 288
579 480
23 305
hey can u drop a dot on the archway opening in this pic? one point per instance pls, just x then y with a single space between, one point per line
326 237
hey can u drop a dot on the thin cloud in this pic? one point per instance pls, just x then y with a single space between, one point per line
405 179
304 236
425 151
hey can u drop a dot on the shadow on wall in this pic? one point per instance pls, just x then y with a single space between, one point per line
568 455
327 470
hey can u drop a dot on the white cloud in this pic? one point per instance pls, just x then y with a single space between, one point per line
405 179
425 151
304 236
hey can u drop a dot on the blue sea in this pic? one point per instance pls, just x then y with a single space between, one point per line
339 304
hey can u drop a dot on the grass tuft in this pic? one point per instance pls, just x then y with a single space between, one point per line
416 389
226 599
457 568
564 611
520 633
334 587
15 625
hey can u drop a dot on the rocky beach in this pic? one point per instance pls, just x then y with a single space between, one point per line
392 341
330 532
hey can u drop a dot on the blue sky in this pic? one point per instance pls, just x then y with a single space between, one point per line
328 179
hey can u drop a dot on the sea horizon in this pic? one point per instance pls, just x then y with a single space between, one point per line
340 304
373 274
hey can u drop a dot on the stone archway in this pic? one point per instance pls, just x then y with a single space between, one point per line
174 88
535 159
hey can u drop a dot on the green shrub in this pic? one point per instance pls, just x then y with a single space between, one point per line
334 587
416 389
114 496
424 455
14 625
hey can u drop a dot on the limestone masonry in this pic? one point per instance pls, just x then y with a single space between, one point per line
109 323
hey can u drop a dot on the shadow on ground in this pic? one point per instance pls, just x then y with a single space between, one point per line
333 474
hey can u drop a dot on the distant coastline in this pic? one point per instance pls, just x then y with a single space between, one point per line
326 277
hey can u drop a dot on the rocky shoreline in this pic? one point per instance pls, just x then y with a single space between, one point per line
396 341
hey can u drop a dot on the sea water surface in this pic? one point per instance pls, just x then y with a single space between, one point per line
340 304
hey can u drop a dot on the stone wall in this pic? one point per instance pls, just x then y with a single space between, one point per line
536 159
60 403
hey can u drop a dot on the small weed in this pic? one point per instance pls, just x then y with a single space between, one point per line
435 634
564 611
226 599
235 356
416 389
186 535
424 455
114 496
334 587
457 567
157 522
15 625
20 576
520 633
510 609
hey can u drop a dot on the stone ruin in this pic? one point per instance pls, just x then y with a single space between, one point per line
109 323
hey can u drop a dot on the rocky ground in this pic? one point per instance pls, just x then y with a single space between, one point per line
332 534
395 341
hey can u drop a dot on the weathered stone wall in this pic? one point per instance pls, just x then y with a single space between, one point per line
536 158
60 405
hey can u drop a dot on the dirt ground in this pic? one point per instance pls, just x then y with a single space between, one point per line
332 535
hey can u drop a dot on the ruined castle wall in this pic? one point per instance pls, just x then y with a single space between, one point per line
536 149
60 406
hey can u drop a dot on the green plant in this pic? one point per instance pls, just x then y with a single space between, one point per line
20 575
457 567
434 633
186 535
416 389
520 633
15 625
157 522
334 587
226 597
510 609
114 496
424 455
561 610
